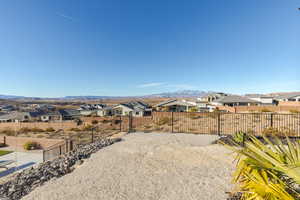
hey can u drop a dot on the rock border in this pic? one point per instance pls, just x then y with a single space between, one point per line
27 180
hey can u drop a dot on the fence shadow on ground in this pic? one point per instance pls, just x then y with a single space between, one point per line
15 169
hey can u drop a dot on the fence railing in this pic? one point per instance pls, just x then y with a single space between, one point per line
57 150
215 123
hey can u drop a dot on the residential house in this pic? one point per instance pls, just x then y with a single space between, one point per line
205 102
52 116
45 107
88 112
211 97
176 106
289 97
263 99
69 114
7 108
136 108
235 100
161 106
92 106
106 111
95 110
20 116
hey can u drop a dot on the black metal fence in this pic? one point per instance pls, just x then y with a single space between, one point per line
217 123
57 150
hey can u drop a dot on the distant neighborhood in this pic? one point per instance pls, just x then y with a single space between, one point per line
216 101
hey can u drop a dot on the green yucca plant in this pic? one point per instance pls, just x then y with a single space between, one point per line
268 171
240 137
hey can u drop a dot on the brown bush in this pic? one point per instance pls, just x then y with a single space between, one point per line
265 110
37 130
163 121
94 122
75 129
278 132
294 111
24 130
8 132
194 116
50 129
87 128
106 121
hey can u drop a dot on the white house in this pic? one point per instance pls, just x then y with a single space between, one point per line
106 111
263 99
175 105
136 108
235 100
289 97
211 97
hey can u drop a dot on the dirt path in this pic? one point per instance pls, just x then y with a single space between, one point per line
148 166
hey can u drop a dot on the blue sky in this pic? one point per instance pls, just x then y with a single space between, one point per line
134 47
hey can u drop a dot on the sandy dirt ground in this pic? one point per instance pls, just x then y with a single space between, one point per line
148 166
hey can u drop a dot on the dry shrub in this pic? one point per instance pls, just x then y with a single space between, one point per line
87 127
163 121
31 145
117 121
265 110
50 129
294 111
147 126
278 132
94 122
8 132
214 115
106 121
37 130
75 129
194 116
24 130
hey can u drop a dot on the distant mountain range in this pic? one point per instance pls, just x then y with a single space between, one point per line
176 94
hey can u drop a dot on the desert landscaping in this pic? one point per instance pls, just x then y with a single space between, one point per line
148 166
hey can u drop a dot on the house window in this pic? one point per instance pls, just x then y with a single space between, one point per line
137 113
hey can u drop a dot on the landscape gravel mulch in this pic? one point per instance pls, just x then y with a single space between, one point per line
27 180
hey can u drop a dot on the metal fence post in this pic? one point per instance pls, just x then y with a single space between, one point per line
219 124
71 145
67 145
172 121
271 119
120 123
60 150
243 139
93 135
129 122
44 159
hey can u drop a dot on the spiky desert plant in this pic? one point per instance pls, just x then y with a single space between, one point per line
240 137
268 171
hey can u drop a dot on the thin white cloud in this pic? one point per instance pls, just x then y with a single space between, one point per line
65 16
147 85
181 86
168 86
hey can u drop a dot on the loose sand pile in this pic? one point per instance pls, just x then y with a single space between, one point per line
148 166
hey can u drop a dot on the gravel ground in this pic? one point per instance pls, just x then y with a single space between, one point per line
148 166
